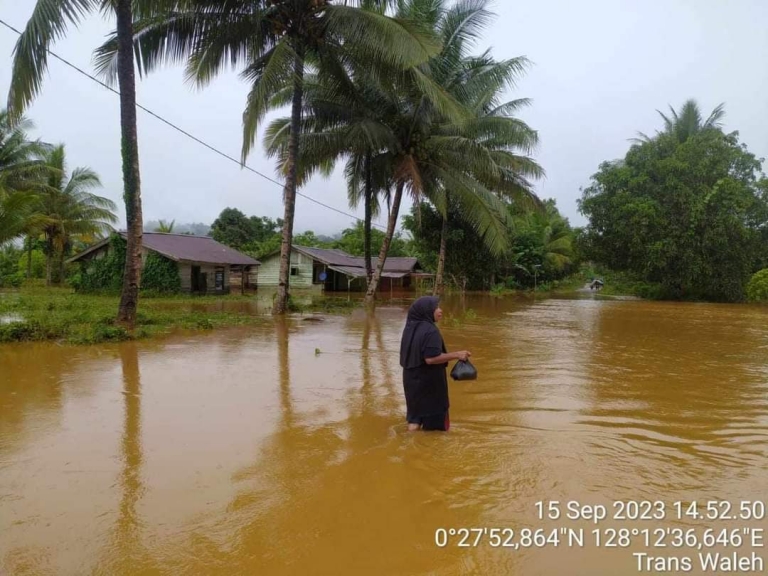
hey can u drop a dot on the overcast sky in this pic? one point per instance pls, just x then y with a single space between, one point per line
601 69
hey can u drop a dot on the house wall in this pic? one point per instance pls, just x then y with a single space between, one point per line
269 271
185 275
251 280
185 271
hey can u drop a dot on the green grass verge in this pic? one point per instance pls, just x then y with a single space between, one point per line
38 314
57 314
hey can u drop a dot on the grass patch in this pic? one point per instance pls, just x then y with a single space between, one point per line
37 314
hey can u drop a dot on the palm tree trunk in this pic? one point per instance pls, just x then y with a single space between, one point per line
29 257
60 266
289 191
438 291
370 296
368 219
129 298
48 259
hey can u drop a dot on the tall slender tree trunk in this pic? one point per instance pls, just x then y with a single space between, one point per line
60 267
289 191
48 260
439 282
370 296
29 257
129 298
368 218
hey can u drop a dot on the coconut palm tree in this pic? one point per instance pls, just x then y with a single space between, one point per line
467 160
275 43
48 23
341 121
402 134
557 238
479 82
21 169
67 210
687 122
165 227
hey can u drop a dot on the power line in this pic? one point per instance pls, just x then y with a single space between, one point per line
188 135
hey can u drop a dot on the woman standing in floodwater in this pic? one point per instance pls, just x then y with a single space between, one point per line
424 361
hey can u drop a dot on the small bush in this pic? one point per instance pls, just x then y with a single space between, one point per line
757 288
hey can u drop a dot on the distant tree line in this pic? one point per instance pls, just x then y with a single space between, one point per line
260 236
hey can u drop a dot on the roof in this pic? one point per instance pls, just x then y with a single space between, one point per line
331 257
394 266
357 272
185 247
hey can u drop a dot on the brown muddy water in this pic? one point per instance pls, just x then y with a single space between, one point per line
244 452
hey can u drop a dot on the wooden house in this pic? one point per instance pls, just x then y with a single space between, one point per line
205 266
334 270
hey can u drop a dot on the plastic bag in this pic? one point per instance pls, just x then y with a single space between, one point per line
464 370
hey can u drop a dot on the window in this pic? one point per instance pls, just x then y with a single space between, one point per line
219 278
294 270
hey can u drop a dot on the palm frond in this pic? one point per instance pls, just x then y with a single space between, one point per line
47 24
269 74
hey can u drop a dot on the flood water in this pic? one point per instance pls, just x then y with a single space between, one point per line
245 451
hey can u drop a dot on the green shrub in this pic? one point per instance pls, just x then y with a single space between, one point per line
104 274
9 276
160 275
38 264
757 288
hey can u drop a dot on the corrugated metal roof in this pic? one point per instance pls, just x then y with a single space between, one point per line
196 249
190 248
354 271
331 257
357 272
340 259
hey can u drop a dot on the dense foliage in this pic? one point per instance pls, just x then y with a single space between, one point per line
102 274
540 250
9 270
686 209
160 274
106 274
757 289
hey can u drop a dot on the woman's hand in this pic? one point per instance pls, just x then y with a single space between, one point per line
447 357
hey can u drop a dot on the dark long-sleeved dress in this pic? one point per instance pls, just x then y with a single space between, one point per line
426 387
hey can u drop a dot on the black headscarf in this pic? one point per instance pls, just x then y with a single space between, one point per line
420 323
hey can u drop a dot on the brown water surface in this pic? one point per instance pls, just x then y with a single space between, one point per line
244 452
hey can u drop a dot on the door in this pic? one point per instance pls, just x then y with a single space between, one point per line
195 278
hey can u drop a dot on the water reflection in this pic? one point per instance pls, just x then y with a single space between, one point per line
128 532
